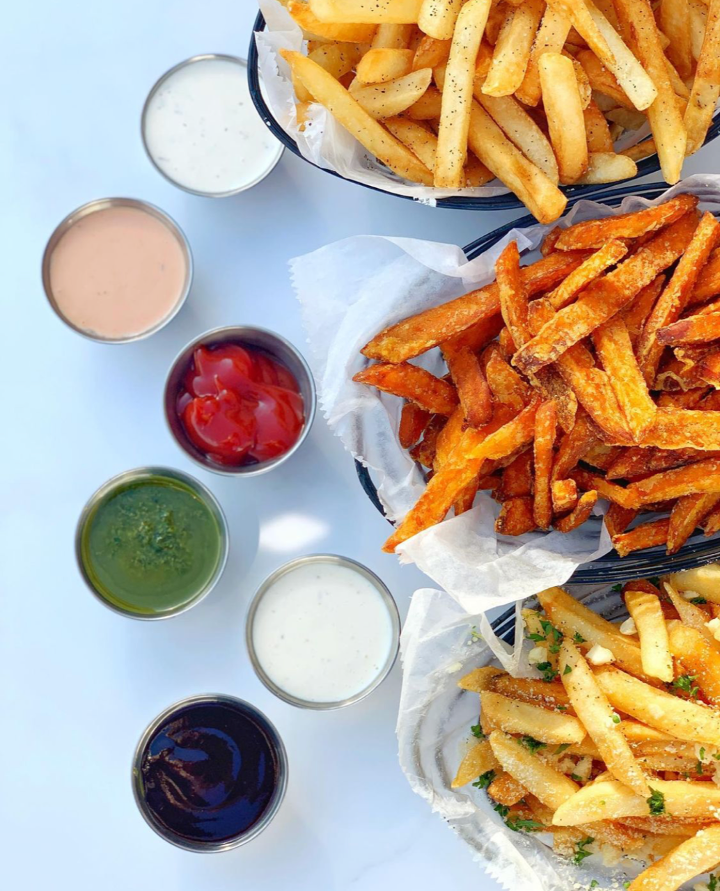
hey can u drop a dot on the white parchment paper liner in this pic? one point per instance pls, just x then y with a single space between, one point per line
439 645
351 290
323 141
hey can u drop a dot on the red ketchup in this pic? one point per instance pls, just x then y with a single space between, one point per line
239 406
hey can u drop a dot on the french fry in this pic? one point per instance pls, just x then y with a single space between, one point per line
698 26
705 581
641 150
603 81
338 59
607 167
544 782
516 516
597 131
573 618
420 333
378 66
550 38
543 449
527 719
678 717
561 99
629 119
506 790
536 190
392 97
675 19
513 296
613 346
392 36
521 130
437 17
646 535
392 12
411 382
345 33
549 695
512 49
427 107
686 515
603 298
564 496
478 760
458 92
640 30
480 679
692 858
597 715
476 173
328 92
413 421
595 233
472 388
647 613
699 658
421 141
612 800
706 86
430 53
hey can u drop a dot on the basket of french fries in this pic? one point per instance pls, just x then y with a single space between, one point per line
549 402
489 104
580 746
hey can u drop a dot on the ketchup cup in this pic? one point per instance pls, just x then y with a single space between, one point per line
266 343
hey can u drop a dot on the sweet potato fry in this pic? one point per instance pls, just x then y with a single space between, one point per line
579 514
543 448
618 518
462 466
517 478
422 332
708 368
708 282
686 516
711 523
687 399
550 240
613 493
574 446
466 498
472 388
426 450
694 329
636 313
613 346
608 255
674 298
647 535
478 335
513 297
412 383
700 477
447 437
675 428
413 421
596 233
505 383
516 516
564 496
606 296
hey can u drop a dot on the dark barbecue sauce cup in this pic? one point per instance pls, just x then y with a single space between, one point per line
209 773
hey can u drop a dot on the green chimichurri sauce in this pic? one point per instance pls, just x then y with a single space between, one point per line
151 545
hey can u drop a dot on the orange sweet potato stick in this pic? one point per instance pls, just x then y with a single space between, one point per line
413 383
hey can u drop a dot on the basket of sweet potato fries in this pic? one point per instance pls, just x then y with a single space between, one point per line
602 743
589 375
548 100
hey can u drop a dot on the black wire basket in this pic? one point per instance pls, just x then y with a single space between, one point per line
508 201
611 567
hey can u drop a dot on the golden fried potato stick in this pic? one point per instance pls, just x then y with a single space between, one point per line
413 383
597 130
393 97
512 49
392 36
430 53
530 719
372 135
344 33
419 139
687 514
550 38
566 123
602 80
458 94
461 467
548 694
614 349
699 658
422 332
427 107
646 611
375 12
607 167
706 86
479 759
675 20
689 859
383 64
606 296
506 790
437 17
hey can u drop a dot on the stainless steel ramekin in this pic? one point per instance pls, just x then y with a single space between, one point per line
104 204
245 335
140 473
158 84
336 560
273 806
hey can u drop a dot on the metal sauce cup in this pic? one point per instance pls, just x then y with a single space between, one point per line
205 57
387 598
104 204
268 814
140 473
244 335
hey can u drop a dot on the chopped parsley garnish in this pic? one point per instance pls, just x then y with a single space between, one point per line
551 635
531 743
716 756
484 780
475 634
548 672
581 851
617 588
655 580
567 669
702 753
616 719
685 683
712 883
502 809
523 825
476 731
578 638
699 768
594 884
698 600
656 803
562 748
574 776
